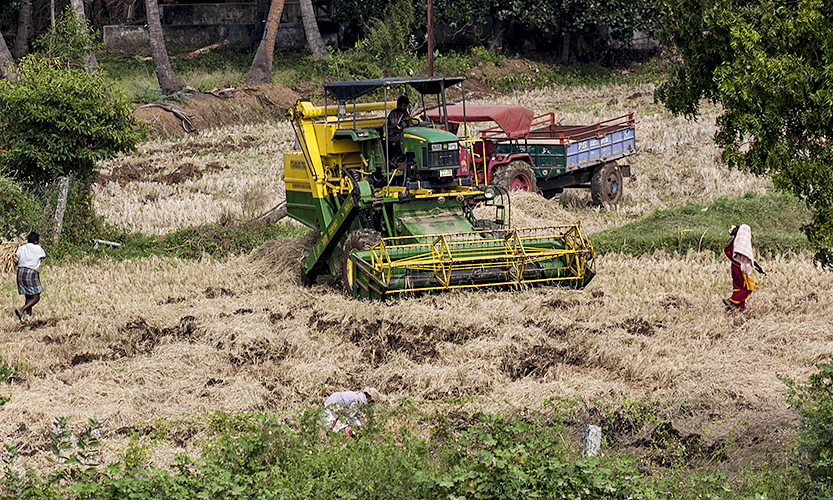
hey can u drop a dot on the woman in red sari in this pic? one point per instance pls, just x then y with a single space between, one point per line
739 251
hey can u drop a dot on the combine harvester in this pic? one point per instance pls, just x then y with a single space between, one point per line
394 220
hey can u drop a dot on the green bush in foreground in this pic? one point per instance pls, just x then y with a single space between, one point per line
260 456
814 402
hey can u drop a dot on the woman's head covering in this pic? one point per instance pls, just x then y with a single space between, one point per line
742 250
375 395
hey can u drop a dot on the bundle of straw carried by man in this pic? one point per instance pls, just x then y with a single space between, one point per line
8 249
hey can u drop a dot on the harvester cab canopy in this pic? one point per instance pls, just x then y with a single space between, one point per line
514 120
350 91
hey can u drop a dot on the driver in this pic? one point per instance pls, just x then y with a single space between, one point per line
398 120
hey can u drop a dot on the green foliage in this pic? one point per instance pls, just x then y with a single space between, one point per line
152 93
263 456
767 63
15 210
389 49
6 372
578 18
775 219
814 402
218 240
57 119
70 40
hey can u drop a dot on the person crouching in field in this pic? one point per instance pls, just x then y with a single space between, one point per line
341 410
739 251
28 259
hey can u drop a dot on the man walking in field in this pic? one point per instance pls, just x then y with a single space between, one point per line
28 259
739 251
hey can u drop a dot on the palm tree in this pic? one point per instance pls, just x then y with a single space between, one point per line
24 30
168 81
316 44
261 70
90 62
7 67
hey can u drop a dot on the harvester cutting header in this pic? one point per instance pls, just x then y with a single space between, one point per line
396 213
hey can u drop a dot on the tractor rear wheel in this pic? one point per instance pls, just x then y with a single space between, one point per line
516 176
606 184
360 239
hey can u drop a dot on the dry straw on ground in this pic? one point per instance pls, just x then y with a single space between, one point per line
139 340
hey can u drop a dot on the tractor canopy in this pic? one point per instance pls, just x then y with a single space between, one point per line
514 120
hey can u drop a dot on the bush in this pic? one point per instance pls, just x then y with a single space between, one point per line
15 210
58 120
814 402
388 50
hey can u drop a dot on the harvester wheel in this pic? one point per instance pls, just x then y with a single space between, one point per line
360 239
517 175
606 184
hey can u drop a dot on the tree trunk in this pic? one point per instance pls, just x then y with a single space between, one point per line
497 36
261 70
8 69
260 23
90 62
24 30
314 41
168 81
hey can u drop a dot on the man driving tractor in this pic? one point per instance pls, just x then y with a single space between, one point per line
398 120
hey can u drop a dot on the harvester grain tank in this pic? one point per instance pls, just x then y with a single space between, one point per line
394 220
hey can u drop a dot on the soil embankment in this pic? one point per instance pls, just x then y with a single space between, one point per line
216 109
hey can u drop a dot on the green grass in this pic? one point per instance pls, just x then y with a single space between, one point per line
217 240
776 221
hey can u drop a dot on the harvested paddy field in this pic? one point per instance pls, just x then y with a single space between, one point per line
646 349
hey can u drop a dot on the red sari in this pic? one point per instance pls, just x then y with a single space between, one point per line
742 285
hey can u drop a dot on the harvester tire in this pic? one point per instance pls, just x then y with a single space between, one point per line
360 239
606 184
517 175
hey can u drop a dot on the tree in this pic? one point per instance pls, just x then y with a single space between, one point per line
168 81
768 64
70 39
261 70
7 66
90 62
24 30
57 119
314 41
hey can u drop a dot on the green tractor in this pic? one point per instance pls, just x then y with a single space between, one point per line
408 219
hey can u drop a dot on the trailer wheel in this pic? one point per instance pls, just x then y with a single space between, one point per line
516 176
606 184
360 239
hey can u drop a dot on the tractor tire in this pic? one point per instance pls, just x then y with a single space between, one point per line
606 184
516 176
360 239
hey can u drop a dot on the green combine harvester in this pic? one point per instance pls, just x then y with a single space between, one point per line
394 220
